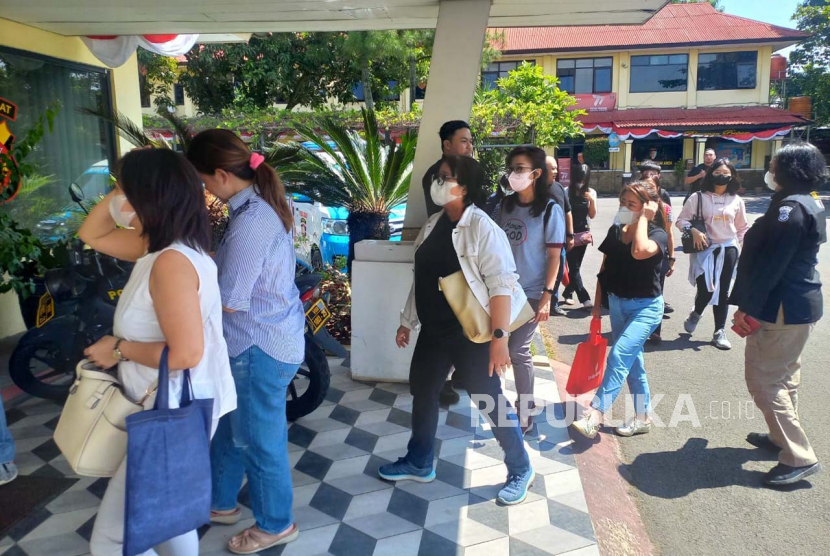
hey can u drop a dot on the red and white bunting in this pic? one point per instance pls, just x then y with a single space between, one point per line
732 135
114 50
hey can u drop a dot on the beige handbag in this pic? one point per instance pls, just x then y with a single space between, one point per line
92 431
475 321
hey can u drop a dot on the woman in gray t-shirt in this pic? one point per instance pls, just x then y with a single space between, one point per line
535 227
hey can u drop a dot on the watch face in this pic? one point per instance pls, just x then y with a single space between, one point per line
498 333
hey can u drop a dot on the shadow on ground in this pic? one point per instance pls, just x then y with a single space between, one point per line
695 467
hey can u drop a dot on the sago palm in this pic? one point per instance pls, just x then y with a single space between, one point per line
360 172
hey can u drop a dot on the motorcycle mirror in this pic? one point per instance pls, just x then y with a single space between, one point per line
76 192
77 195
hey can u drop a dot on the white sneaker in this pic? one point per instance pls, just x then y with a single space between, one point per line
719 340
691 322
588 305
568 301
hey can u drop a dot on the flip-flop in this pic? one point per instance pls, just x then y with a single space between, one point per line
253 541
226 519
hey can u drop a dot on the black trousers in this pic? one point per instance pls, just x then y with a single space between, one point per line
433 357
703 296
575 258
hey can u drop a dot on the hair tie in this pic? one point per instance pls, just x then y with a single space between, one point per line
256 160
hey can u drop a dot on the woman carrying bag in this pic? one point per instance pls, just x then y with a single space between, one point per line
171 299
461 238
633 253
714 260
535 227
264 325
583 208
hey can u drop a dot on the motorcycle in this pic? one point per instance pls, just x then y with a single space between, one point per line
78 308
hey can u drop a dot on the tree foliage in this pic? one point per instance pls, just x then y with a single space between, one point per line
291 68
530 100
810 60
156 76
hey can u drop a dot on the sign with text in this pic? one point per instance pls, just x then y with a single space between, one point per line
597 102
564 171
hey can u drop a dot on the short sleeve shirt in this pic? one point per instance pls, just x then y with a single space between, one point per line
557 193
627 277
529 237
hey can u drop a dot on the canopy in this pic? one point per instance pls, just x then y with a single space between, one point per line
114 50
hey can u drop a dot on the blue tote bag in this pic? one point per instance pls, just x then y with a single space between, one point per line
168 467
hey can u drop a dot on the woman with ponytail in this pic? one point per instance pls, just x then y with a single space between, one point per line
263 326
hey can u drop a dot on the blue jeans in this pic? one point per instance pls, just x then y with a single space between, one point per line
632 322
253 440
431 362
6 441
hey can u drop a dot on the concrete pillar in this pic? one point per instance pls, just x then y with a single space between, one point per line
700 150
691 85
628 144
453 75
776 144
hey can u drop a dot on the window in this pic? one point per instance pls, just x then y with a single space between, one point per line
585 75
178 94
80 149
357 91
739 154
497 70
727 70
658 73
665 152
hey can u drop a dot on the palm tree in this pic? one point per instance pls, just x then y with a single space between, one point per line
360 172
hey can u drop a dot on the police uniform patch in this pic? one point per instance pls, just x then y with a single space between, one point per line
784 213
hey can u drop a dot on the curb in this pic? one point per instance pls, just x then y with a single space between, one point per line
617 523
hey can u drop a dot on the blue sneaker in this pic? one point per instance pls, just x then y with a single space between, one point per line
402 470
515 489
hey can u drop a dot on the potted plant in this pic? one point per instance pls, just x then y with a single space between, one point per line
359 172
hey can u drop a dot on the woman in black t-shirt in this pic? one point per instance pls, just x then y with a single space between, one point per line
631 275
583 207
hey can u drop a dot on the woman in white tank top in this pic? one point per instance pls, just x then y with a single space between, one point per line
171 299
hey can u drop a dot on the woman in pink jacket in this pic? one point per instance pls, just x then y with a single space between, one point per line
713 268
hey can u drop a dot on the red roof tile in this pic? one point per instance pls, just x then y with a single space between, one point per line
675 24
695 117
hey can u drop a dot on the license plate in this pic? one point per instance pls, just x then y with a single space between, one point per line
45 309
317 315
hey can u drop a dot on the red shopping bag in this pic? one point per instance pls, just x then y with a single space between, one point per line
589 363
566 276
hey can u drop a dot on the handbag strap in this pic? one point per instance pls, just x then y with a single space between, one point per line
596 330
163 394
699 213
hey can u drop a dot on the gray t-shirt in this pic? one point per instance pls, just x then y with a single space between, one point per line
529 238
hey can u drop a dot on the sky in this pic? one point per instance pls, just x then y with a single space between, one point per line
777 12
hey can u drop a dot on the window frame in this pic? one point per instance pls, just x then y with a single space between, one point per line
668 55
176 88
499 73
112 136
594 67
737 64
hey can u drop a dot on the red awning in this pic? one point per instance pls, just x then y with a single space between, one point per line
740 124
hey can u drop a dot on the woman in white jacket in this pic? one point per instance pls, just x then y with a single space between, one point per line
461 238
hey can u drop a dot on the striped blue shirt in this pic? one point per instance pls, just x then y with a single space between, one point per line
256 279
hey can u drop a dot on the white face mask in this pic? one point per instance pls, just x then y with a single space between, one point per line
626 217
519 182
769 179
442 194
122 218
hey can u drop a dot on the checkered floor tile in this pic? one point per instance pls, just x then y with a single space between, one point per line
340 505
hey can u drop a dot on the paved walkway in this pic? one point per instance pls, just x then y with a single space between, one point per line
698 487
340 505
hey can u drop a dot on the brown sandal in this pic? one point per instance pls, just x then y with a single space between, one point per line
226 518
252 540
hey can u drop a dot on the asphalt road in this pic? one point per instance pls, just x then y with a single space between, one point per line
698 487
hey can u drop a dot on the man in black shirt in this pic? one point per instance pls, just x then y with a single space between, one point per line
696 174
456 139
557 193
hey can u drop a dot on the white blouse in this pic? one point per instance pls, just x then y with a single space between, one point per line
136 321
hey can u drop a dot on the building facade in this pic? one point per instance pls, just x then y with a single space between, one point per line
688 79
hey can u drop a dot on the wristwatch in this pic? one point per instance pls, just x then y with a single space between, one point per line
569 236
549 290
499 333
672 259
116 352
